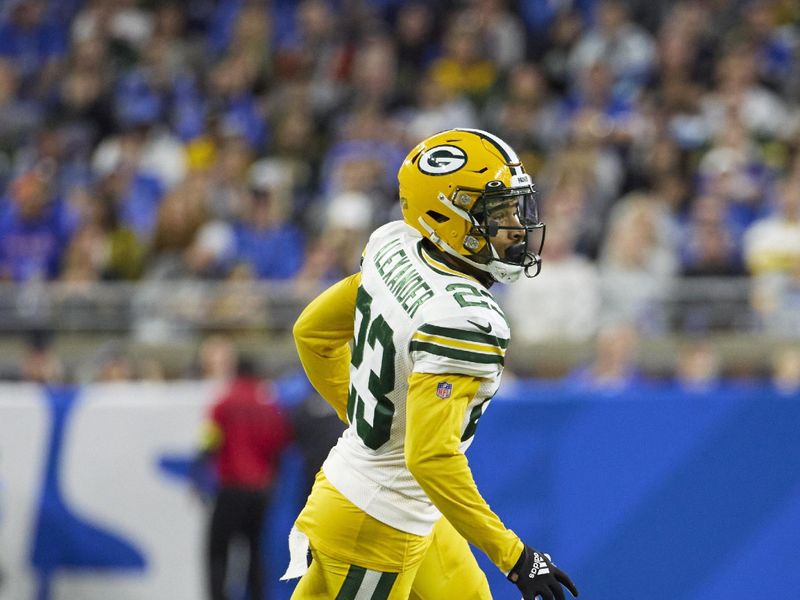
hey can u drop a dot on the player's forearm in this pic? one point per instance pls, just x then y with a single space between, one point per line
433 433
448 482
322 334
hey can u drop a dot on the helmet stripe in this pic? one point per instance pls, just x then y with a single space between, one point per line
505 150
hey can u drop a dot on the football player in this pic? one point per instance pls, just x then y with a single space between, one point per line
395 505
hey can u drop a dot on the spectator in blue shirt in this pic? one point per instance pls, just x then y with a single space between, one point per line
231 83
32 234
273 247
614 368
18 117
135 195
30 41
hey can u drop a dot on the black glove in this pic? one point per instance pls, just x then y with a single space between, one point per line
535 575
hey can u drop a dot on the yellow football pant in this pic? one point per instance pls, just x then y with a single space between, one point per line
357 557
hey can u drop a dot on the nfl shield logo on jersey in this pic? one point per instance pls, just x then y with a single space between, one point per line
444 389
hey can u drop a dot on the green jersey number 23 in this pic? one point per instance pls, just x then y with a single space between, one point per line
369 332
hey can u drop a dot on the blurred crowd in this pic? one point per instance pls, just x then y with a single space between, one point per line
250 140
613 365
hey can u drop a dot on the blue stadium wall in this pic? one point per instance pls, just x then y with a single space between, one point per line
650 494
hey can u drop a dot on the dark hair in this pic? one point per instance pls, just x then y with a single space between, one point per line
246 367
40 340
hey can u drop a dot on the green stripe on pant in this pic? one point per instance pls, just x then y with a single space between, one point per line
364 584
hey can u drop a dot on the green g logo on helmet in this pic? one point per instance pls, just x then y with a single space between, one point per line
442 160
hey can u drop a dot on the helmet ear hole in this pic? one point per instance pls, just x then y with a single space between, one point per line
437 216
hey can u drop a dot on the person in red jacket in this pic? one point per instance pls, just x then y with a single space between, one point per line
245 434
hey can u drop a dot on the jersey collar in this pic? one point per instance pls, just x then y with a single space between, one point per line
440 267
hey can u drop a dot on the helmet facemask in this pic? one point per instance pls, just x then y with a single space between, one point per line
499 209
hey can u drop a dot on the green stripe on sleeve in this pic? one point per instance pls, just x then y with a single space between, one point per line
465 355
351 583
467 336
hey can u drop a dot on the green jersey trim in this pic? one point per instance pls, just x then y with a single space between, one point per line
463 355
468 336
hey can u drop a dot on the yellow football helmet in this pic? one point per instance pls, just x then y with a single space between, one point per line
451 185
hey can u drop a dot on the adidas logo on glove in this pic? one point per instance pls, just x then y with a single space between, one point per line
539 566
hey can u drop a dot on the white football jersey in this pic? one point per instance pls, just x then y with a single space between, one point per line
413 313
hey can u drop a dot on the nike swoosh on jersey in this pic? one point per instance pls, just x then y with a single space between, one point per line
485 328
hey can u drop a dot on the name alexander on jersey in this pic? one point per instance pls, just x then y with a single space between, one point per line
401 278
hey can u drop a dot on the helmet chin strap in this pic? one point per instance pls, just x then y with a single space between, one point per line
500 271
